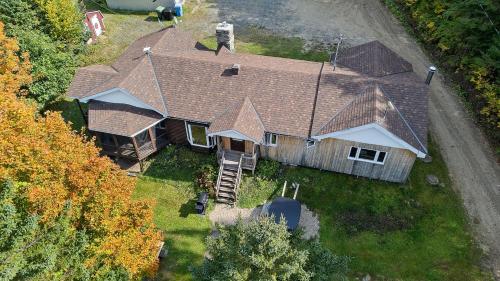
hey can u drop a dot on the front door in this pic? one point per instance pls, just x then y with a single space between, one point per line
238 145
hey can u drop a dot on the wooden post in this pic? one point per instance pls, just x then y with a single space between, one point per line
84 116
153 139
134 142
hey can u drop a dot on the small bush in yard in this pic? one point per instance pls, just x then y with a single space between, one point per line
268 169
206 177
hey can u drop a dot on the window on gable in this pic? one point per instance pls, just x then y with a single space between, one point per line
310 143
271 139
367 155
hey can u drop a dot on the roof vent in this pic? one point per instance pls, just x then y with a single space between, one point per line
235 69
431 72
147 50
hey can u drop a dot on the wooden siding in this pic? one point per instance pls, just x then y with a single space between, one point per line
331 154
176 131
248 147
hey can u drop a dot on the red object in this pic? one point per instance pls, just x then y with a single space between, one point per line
94 21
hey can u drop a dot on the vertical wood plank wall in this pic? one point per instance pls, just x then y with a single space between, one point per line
331 154
176 131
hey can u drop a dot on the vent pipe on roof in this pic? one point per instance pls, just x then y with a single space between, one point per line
147 50
235 69
431 72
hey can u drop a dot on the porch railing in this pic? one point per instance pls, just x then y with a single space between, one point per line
248 161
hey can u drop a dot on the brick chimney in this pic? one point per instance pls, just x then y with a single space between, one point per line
225 35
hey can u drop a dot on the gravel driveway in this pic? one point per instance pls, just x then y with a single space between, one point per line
473 169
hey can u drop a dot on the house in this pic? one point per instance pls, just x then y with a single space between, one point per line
367 117
140 5
94 24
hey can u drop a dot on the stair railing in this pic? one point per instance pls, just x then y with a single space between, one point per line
221 168
238 179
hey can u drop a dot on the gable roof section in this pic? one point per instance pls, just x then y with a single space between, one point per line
120 119
242 118
373 107
374 59
88 78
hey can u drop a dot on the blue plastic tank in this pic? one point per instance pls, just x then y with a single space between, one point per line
178 9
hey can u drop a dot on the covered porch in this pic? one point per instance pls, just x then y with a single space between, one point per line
126 132
233 149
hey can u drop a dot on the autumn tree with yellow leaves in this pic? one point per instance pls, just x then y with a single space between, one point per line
59 173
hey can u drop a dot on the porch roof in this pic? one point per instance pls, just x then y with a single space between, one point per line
241 118
120 119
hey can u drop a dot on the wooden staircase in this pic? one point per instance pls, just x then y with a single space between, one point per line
229 179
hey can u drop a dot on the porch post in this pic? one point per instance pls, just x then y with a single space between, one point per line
153 139
83 113
136 148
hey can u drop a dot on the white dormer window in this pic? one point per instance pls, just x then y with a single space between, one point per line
271 139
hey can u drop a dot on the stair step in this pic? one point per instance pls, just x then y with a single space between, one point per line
225 201
226 178
227 184
226 189
230 162
229 173
226 195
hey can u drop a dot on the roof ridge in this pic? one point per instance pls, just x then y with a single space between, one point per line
402 118
157 84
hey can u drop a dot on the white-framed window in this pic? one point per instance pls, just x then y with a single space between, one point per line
198 135
367 155
310 143
271 139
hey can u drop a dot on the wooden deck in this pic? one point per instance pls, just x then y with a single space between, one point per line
248 161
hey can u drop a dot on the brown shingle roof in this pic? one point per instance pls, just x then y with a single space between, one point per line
374 59
241 117
373 106
88 78
120 119
196 85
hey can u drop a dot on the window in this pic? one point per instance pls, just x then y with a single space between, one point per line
142 138
367 155
162 124
107 139
310 143
197 136
271 139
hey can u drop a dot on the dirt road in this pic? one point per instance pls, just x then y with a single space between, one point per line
475 173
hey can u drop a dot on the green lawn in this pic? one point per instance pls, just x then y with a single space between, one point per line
406 231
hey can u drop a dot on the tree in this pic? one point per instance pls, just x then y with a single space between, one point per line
55 166
29 250
14 71
51 32
264 250
64 19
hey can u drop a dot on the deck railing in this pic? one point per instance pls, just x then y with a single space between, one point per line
248 161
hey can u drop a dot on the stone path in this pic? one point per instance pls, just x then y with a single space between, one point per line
226 215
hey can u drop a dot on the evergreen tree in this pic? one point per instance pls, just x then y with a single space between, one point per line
264 250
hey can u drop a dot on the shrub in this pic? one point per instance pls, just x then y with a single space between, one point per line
267 168
206 177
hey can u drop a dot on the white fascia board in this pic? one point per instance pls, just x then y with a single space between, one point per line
356 134
113 96
232 134
143 129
